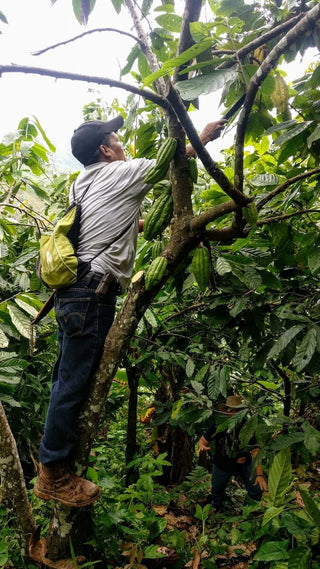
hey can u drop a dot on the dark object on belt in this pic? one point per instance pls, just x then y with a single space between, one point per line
108 283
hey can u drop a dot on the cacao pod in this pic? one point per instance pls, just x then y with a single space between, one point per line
250 213
280 95
193 169
157 248
155 272
201 267
260 54
156 174
166 153
158 217
161 187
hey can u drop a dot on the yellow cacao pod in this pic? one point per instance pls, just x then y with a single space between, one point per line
280 95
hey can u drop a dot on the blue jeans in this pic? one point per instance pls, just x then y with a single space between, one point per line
220 479
83 323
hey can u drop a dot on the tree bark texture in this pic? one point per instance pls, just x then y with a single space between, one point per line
13 488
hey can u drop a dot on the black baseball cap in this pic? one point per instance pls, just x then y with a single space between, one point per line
88 136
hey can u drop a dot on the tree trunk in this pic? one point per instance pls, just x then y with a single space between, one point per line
13 488
131 445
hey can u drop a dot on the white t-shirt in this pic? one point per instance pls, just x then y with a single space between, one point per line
112 201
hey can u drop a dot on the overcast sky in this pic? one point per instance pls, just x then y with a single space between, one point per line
34 25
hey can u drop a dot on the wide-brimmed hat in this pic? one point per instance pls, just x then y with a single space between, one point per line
88 136
235 402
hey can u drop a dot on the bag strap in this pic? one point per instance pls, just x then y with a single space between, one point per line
113 241
80 200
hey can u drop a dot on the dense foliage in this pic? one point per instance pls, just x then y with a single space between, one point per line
254 329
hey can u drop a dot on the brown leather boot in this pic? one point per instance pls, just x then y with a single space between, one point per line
57 482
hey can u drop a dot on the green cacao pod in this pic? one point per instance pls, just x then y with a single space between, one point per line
164 186
158 217
201 267
155 272
166 152
193 169
157 248
250 213
156 174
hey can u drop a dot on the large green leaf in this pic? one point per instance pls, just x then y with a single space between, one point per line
311 507
307 348
286 441
280 476
284 340
311 439
299 558
19 320
170 22
82 10
4 341
184 57
271 513
204 84
298 129
273 551
264 180
248 430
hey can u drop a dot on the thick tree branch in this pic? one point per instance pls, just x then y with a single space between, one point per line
257 42
145 93
191 13
199 222
286 216
151 58
279 189
306 23
80 36
13 487
212 167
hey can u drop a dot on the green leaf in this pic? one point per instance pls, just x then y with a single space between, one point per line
314 260
150 317
311 439
284 340
44 136
264 180
248 430
271 513
299 558
298 129
4 341
223 266
201 374
204 84
82 10
273 551
314 136
170 64
190 368
286 441
19 320
4 553
306 349
280 476
117 5
26 307
3 18
170 22
311 506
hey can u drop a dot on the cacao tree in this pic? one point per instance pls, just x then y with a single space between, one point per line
253 218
